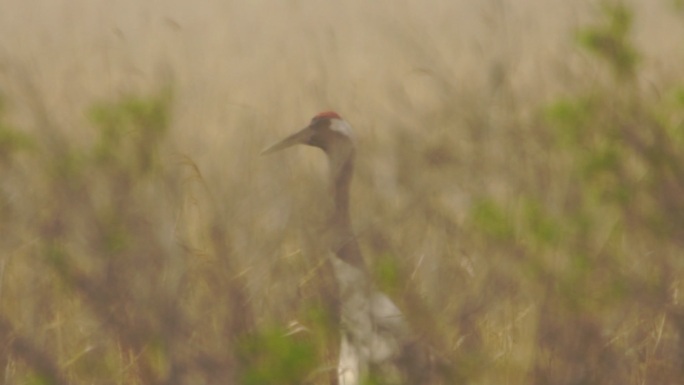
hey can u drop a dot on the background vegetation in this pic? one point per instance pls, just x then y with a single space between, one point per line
519 187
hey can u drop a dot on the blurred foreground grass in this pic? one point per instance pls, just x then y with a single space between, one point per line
542 247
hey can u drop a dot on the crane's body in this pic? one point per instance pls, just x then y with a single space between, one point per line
374 331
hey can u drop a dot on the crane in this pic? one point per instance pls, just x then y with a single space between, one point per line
376 341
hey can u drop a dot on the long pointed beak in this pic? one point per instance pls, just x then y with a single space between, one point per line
300 137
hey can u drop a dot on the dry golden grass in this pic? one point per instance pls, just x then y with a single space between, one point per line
520 203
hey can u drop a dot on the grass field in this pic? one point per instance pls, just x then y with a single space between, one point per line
519 187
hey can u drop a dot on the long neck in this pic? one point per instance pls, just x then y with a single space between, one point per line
343 243
341 176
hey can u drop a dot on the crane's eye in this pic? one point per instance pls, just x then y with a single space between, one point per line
318 123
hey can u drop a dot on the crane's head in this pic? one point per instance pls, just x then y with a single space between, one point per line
327 131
